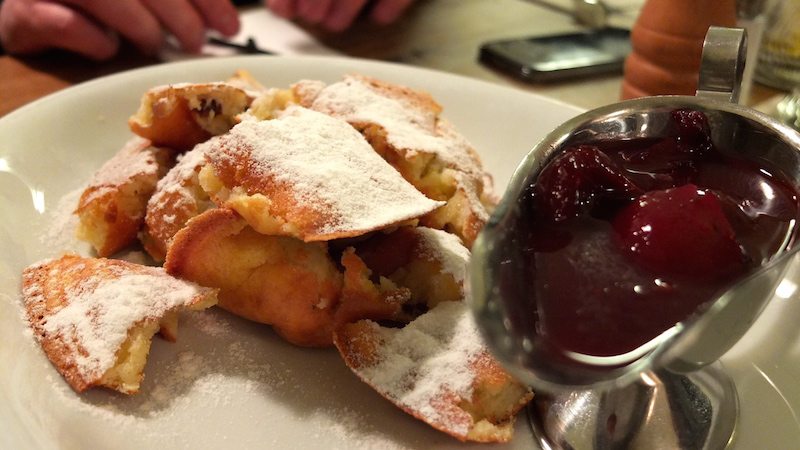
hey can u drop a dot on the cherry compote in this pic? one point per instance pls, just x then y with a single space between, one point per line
629 238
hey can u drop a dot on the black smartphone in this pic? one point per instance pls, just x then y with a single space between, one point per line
559 57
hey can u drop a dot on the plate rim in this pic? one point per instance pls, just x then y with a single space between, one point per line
416 76
203 64
323 59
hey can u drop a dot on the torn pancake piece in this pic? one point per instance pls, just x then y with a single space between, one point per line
437 369
112 207
95 318
177 198
405 127
430 264
282 281
365 298
309 176
182 115
269 103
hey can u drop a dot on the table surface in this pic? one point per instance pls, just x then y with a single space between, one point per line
438 34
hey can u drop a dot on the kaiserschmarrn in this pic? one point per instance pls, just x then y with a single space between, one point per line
340 214
95 317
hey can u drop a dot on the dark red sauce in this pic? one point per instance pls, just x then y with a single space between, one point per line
629 238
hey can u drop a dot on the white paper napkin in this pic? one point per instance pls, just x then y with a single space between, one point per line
270 32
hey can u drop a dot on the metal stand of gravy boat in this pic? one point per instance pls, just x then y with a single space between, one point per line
671 392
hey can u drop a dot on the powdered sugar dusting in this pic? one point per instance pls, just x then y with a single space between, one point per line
177 198
175 188
307 90
250 390
98 312
192 388
409 126
447 249
427 360
210 324
350 426
134 159
59 235
329 167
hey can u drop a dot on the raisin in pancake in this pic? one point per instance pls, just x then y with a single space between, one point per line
112 207
95 318
183 115
404 126
437 369
309 176
179 196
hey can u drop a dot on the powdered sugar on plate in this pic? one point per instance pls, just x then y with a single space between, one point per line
244 385
59 231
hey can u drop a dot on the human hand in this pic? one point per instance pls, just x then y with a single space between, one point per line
92 27
337 15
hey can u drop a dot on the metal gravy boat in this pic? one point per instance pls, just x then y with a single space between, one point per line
671 392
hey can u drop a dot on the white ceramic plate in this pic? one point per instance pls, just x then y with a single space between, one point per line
228 383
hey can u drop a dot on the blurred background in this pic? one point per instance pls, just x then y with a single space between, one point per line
546 40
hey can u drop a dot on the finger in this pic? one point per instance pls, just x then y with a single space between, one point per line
220 15
387 11
129 18
283 8
313 11
182 20
52 25
342 14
